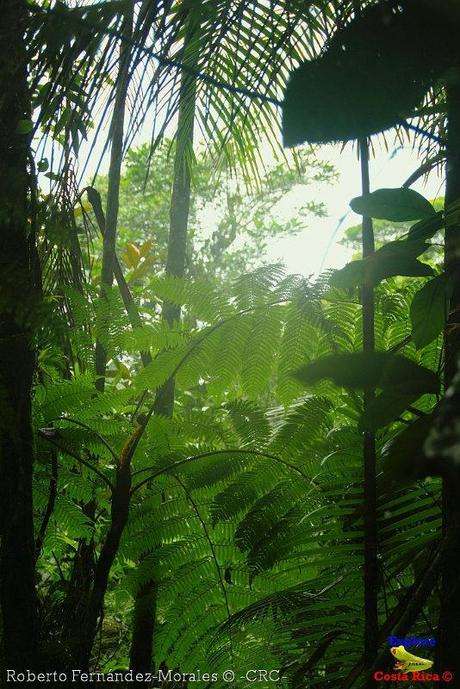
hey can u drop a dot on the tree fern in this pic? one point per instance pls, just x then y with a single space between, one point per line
242 514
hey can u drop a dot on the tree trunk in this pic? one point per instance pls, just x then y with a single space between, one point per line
19 303
87 595
371 619
113 193
141 659
130 306
370 507
449 623
119 518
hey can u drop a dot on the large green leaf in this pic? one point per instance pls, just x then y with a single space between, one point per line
395 258
384 409
360 370
429 308
398 205
425 229
404 458
351 275
398 258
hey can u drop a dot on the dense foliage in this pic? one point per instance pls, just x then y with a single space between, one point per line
209 464
237 497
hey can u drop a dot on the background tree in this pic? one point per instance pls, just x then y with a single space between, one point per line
229 226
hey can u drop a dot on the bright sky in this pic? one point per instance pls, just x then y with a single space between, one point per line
316 248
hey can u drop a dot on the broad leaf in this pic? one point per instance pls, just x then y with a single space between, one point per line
395 258
404 458
360 370
429 308
403 248
398 205
385 266
425 229
384 409
351 275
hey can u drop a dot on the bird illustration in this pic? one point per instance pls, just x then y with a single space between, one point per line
408 662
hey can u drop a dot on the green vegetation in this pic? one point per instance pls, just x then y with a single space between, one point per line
208 464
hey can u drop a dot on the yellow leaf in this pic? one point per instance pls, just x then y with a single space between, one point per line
146 247
132 255
82 207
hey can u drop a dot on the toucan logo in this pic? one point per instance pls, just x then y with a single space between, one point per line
407 662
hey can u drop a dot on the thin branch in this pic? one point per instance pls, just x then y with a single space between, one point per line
422 132
167 61
424 169
207 78
131 308
88 428
44 433
59 568
50 506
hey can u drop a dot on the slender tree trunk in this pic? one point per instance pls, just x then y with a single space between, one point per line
113 194
371 571
131 309
370 498
19 302
120 501
119 517
50 505
76 601
449 623
141 659
85 601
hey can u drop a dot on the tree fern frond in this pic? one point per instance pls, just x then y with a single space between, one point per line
250 423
